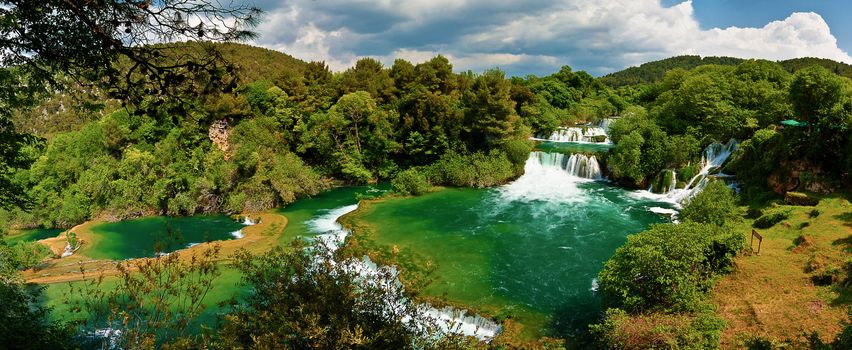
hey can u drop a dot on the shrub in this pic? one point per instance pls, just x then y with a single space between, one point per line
474 170
411 181
668 267
798 198
813 213
714 205
770 219
619 330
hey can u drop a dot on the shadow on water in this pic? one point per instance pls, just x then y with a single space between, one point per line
571 321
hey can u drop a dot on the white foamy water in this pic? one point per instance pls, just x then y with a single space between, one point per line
69 250
332 234
237 234
546 179
448 320
714 157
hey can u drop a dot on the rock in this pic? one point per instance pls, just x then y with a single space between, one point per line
798 174
219 134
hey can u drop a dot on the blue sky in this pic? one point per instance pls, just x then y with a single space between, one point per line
538 36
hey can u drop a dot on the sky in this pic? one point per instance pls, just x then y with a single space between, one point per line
537 37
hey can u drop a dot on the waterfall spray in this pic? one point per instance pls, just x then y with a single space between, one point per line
714 156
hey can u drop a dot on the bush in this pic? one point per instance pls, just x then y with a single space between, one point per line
668 267
770 219
21 256
798 198
411 181
474 170
714 205
813 213
620 330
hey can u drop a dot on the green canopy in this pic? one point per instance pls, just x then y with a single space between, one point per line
791 122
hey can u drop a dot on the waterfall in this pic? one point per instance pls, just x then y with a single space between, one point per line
552 177
605 123
714 157
589 134
247 221
577 164
449 320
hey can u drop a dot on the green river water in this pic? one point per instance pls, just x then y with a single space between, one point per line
528 257
529 250
145 237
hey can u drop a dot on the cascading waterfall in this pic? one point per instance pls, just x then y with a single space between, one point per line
576 134
577 164
585 134
605 123
247 221
714 156
553 177
449 320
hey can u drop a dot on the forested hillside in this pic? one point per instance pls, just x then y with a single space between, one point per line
290 129
654 71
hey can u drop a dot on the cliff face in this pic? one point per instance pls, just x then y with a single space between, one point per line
219 133
799 175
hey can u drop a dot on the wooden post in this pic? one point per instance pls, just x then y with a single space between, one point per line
759 241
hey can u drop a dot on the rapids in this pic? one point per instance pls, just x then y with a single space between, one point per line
530 249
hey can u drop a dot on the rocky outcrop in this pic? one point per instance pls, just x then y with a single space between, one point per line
799 175
219 133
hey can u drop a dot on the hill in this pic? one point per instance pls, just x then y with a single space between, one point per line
654 71
70 109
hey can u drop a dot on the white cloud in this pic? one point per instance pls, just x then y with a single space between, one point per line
530 37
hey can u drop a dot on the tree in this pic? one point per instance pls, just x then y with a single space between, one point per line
307 299
24 322
368 75
814 93
667 268
715 204
155 302
120 47
490 111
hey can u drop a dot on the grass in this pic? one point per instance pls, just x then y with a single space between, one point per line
773 294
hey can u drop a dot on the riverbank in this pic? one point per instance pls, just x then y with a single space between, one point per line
78 266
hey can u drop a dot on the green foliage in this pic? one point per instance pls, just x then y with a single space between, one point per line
619 330
490 112
770 219
668 267
301 300
25 323
475 170
715 204
155 302
654 71
411 181
814 93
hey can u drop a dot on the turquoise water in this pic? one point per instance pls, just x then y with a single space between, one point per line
573 147
33 235
529 250
146 237
302 211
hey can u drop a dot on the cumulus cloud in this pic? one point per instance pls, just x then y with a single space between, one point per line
527 37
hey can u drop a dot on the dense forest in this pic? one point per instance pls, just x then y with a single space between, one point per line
290 129
652 72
